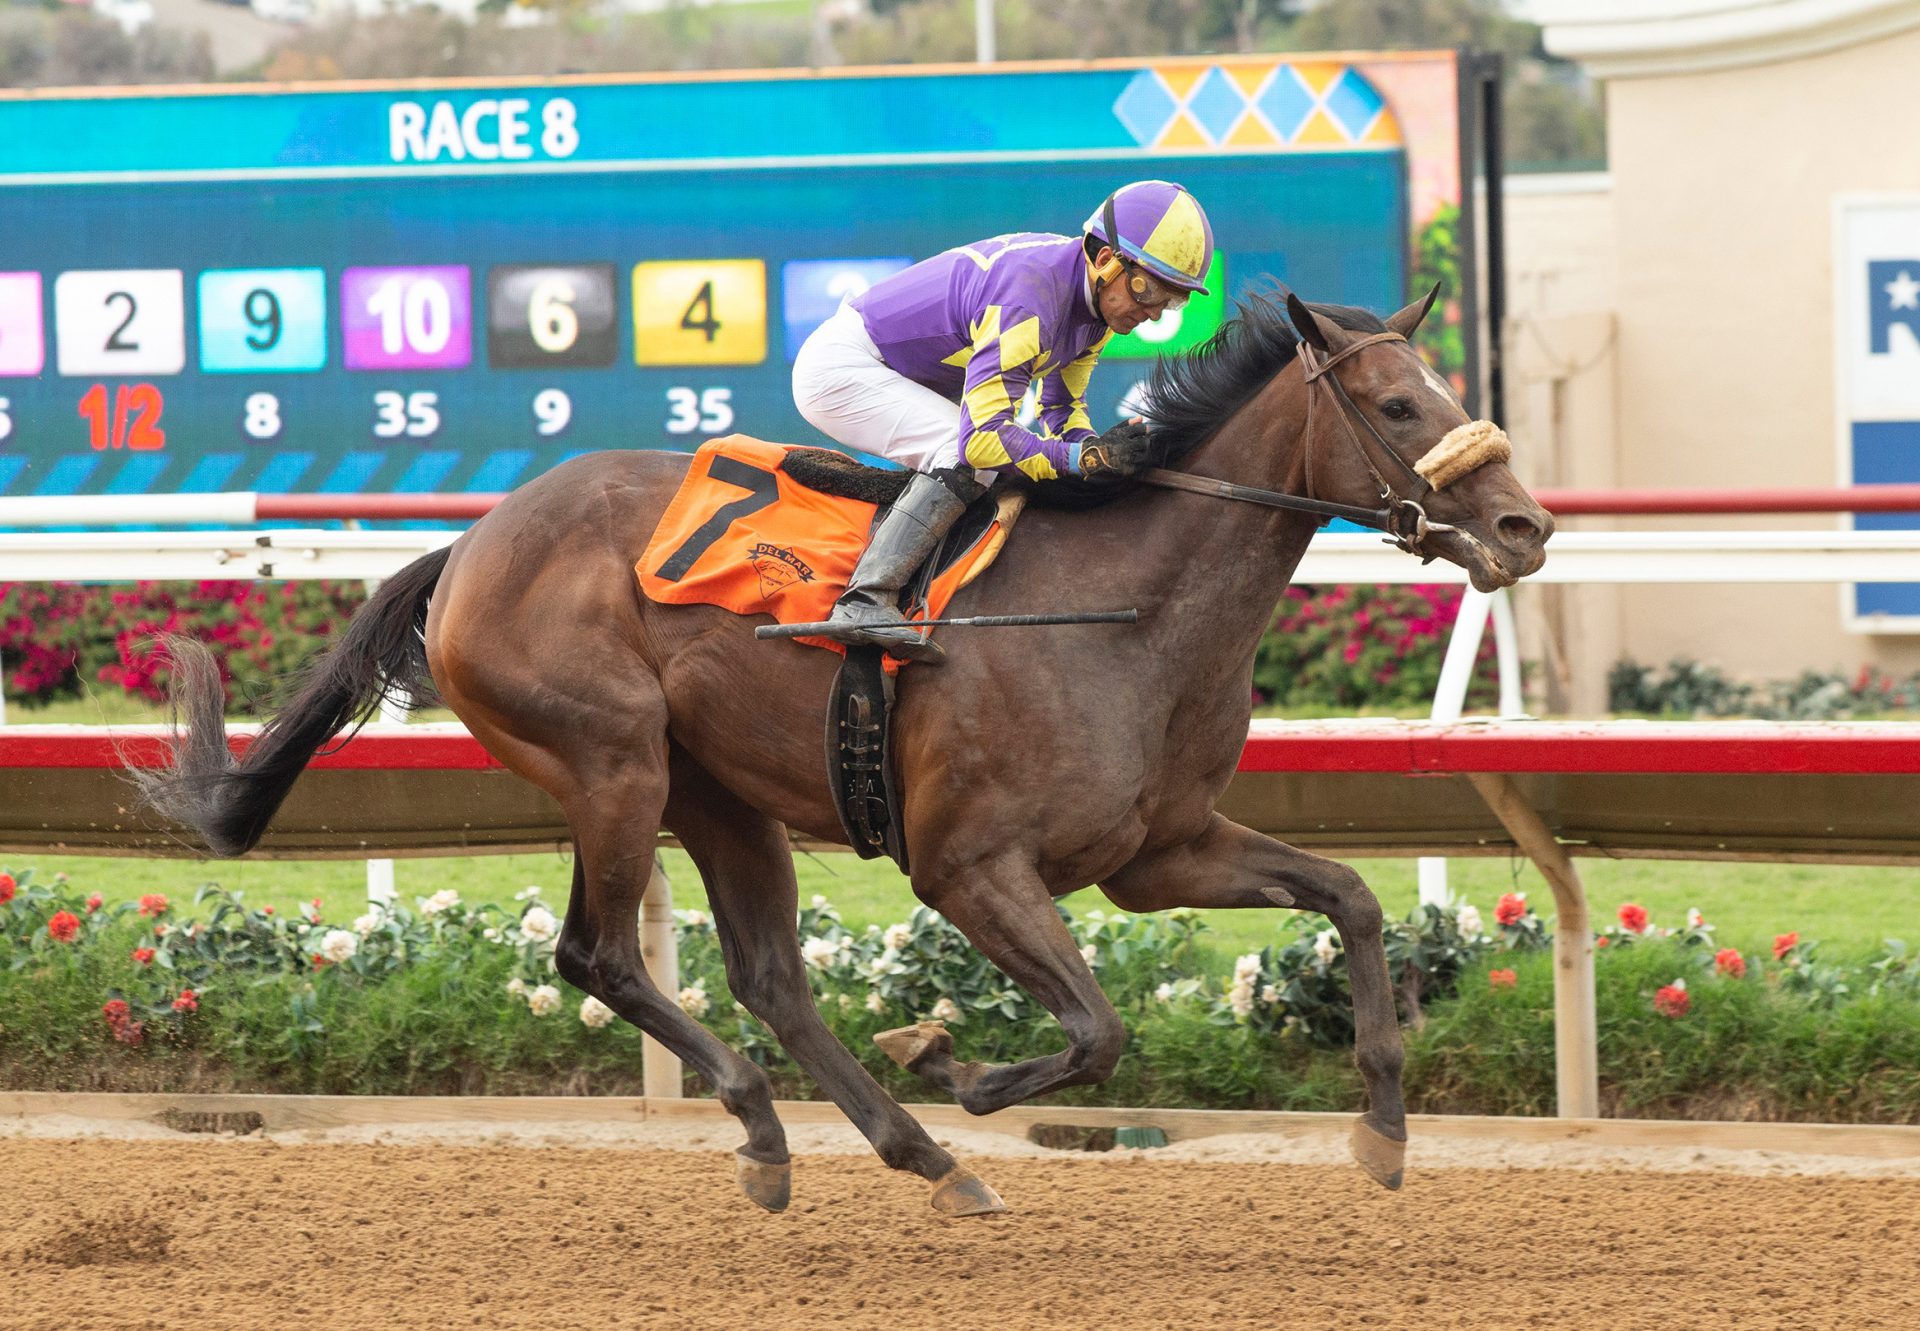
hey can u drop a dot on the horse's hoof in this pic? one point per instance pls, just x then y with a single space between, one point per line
910 1045
961 1192
1384 1159
767 1186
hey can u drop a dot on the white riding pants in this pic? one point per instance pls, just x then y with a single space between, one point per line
853 397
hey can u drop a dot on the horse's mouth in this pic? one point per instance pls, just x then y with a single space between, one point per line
1486 570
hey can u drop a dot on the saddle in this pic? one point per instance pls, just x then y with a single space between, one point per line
771 529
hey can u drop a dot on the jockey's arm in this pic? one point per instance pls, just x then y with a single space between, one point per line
1006 345
1063 399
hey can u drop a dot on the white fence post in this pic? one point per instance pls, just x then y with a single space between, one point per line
660 1076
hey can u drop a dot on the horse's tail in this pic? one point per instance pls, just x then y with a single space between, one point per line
230 801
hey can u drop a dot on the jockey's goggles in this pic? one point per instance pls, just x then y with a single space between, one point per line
1149 290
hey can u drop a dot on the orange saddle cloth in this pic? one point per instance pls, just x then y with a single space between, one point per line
742 534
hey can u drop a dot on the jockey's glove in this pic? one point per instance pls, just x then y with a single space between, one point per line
1125 449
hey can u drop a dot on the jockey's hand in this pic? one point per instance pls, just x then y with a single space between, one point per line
1125 449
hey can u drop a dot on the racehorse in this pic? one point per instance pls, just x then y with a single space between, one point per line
1032 763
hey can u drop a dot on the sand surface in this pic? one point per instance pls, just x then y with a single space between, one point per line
636 1225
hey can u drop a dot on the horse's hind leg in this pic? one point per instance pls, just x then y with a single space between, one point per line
747 865
615 818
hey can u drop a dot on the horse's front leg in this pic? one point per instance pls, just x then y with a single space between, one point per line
1228 866
1005 910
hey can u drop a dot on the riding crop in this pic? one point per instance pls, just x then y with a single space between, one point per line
971 622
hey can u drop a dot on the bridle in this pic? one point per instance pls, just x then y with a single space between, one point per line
1402 518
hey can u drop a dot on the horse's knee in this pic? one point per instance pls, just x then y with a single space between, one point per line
573 959
1358 908
1096 1051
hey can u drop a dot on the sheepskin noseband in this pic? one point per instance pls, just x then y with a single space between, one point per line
1460 450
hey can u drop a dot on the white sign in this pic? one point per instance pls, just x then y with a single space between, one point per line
1877 377
130 321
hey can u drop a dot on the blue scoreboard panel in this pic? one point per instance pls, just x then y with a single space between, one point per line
453 288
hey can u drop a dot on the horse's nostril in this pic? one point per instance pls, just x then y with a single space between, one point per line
1524 530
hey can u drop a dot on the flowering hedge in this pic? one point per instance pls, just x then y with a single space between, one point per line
441 996
1350 647
56 638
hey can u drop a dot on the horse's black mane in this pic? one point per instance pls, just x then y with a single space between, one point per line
1191 395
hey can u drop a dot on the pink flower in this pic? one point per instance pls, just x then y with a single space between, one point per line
143 955
63 927
1672 1000
1512 908
1501 979
1633 918
1728 961
1783 944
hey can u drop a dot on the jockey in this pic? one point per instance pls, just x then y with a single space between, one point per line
968 331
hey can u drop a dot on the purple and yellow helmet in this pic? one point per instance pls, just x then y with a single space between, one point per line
1159 226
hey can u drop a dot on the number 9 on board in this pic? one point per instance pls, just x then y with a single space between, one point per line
540 316
263 319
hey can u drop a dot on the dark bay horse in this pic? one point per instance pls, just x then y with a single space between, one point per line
1033 763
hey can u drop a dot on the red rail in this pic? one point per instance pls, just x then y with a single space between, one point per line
1562 503
1721 747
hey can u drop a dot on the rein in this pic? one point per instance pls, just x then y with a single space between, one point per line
1403 520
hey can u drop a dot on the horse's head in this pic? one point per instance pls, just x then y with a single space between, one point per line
1382 420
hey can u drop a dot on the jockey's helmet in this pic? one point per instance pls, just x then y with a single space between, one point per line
1157 226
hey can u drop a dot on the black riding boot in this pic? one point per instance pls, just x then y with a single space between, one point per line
867 614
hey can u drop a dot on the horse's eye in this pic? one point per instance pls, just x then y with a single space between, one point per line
1397 409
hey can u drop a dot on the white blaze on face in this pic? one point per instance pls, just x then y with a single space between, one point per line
1437 384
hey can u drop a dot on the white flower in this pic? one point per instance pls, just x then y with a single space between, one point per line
819 952
364 925
491 935
1270 994
819 902
1164 993
1090 954
543 1000
339 946
946 1010
875 1003
1694 918
539 924
898 936
517 987
1680 984
1325 945
440 901
693 1000
878 966
1247 967
1468 922
693 919
1240 997
594 1013
528 893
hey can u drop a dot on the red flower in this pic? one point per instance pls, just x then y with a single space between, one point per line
115 1010
1783 944
143 955
266 910
94 903
318 962
187 1002
153 904
1512 908
1728 961
7 887
1672 1000
1501 979
1603 941
63 926
1633 918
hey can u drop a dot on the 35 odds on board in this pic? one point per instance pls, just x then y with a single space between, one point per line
453 289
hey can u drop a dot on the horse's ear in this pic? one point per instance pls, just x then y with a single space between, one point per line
1405 321
1311 327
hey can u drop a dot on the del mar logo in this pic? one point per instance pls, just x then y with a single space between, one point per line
1893 298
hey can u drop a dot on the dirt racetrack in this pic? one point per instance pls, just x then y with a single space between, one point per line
212 1234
